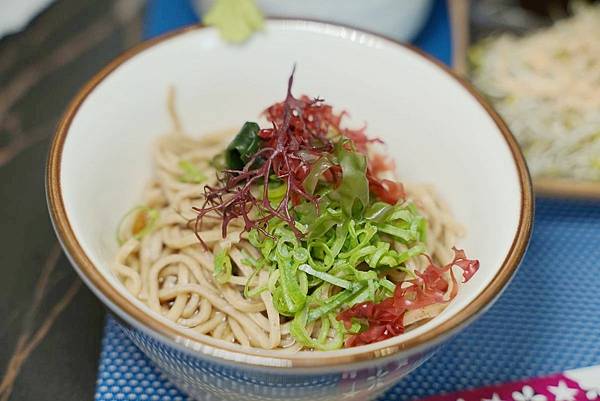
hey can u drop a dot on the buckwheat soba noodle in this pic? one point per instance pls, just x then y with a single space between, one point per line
293 236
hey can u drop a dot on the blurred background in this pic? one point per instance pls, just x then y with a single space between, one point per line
48 50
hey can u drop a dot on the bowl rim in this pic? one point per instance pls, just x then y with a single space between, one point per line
139 318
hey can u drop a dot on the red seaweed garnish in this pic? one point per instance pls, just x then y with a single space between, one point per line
386 318
301 133
388 191
379 164
299 125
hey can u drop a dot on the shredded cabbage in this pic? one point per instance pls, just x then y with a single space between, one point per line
546 85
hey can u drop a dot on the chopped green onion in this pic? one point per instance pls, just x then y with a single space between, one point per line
324 331
191 173
149 222
388 285
298 330
379 212
365 275
340 251
356 327
341 298
401 234
276 192
381 249
353 191
293 296
401 214
341 232
325 276
320 255
222 271
317 170
416 250
251 293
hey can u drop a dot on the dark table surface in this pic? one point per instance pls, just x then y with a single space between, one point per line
50 324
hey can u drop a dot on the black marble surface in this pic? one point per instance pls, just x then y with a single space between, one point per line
50 324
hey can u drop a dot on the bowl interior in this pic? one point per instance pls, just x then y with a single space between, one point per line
434 128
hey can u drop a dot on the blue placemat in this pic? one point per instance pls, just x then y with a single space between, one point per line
548 320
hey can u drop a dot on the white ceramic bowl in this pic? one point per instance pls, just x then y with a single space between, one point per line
436 127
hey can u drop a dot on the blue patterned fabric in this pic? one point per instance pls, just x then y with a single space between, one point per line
548 320
126 374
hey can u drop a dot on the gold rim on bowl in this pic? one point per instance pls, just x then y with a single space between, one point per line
159 329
